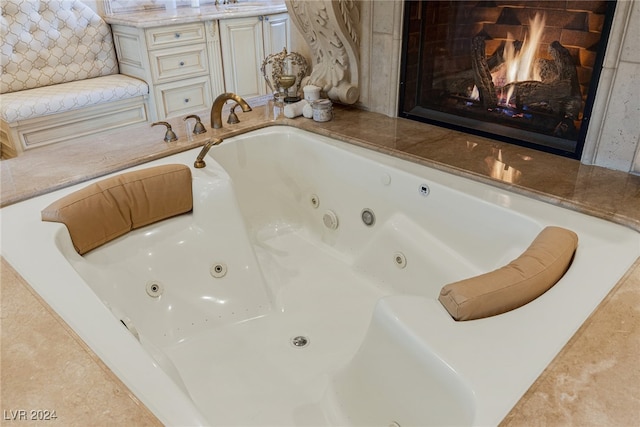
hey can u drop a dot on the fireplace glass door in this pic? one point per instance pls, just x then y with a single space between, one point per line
523 71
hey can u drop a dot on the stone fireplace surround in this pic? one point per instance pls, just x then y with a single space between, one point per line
613 139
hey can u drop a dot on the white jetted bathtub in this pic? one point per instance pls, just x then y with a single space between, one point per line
274 303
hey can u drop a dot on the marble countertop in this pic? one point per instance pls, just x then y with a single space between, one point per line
594 380
185 15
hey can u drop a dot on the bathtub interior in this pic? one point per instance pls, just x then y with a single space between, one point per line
381 349
289 185
181 276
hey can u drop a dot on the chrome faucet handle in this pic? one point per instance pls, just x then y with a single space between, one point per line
198 128
170 135
233 117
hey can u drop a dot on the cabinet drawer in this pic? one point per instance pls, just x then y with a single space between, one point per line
183 97
180 62
175 35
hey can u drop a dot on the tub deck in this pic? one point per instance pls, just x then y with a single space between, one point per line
590 189
483 228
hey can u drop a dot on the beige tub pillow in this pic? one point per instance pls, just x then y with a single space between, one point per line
114 206
519 282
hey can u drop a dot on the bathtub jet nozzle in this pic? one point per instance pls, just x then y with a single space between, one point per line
330 220
154 288
218 270
200 163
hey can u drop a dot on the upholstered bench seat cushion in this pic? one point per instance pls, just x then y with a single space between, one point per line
60 98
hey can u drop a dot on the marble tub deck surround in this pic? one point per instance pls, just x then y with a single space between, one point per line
45 366
595 380
593 190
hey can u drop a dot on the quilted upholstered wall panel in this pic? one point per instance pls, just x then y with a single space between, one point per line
46 42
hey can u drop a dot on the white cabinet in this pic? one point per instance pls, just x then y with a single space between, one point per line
183 61
181 64
245 43
188 65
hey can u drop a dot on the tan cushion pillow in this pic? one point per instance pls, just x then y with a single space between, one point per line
114 206
519 282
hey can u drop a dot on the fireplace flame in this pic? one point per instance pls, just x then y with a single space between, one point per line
519 65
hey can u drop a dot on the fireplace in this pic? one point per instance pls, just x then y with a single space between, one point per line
523 72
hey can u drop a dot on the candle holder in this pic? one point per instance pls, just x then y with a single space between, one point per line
283 72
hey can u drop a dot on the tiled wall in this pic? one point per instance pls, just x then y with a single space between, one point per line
380 55
617 141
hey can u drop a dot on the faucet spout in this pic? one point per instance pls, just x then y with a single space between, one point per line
216 109
200 163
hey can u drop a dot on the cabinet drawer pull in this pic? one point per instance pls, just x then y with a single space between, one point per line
182 63
186 100
177 35
266 18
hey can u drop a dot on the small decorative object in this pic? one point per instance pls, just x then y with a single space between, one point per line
307 111
294 110
322 110
275 107
284 72
311 93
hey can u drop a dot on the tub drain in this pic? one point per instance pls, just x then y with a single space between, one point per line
300 341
